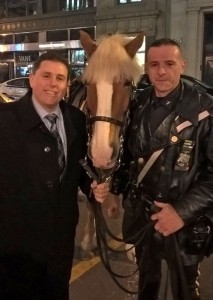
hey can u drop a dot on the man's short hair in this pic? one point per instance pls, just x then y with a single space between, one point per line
165 42
52 56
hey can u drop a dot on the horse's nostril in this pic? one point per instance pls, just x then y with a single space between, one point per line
115 154
89 152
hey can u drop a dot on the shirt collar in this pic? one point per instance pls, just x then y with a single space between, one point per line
42 112
166 101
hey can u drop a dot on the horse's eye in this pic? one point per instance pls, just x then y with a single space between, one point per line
127 83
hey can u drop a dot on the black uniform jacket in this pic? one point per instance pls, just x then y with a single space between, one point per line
188 188
38 213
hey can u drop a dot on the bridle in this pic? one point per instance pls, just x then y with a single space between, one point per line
123 126
90 120
105 119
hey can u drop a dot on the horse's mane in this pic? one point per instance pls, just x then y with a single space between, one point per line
111 62
77 92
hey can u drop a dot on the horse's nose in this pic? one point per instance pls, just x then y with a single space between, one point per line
103 164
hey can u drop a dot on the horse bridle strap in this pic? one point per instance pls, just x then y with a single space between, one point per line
105 119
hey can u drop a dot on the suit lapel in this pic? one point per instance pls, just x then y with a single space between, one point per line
30 119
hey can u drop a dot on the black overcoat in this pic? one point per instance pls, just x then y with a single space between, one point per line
38 214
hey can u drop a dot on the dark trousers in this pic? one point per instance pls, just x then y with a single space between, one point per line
149 259
22 278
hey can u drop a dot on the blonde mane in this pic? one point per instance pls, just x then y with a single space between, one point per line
110 62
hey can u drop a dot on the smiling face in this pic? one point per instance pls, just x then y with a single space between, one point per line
49 83
165 64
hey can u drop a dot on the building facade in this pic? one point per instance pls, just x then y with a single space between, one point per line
29 27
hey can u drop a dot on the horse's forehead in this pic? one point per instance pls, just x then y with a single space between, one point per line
111 62
115 39
110 51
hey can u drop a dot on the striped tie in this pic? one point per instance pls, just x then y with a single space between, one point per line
53 129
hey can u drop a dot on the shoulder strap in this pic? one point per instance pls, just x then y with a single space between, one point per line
204 114
148 164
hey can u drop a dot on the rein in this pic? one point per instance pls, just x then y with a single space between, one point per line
102 229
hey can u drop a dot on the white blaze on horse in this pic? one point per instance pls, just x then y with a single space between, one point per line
110 74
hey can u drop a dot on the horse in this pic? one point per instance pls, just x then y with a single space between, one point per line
107 86
112 68
77 97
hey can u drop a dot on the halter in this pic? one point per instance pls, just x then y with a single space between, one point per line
104 176
105 119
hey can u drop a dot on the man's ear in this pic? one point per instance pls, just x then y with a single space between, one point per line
30 79
184 65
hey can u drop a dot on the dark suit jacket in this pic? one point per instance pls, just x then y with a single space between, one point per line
38 214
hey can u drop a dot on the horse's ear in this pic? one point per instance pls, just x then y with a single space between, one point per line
87 43
135 44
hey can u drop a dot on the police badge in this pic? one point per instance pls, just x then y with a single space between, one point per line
183 160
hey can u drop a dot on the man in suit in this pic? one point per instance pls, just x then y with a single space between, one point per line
38 193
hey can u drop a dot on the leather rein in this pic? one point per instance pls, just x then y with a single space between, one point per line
102 229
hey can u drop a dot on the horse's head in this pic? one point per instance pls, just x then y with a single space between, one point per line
111 70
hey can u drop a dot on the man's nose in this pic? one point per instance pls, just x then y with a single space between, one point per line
53 80
161 70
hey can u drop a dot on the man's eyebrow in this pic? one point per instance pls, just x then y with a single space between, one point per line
61 75
49 73
165 61
170 60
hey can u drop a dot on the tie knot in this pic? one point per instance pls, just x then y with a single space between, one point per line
52 118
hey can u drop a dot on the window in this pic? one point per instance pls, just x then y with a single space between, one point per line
127 1
74 33
18 8
28 37
78 57
75 4
21 8
207 70
77 62
6 39
21 82
57 35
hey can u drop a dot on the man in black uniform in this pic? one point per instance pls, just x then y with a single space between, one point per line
175 195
